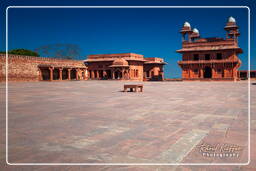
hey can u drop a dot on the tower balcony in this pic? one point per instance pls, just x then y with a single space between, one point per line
214 61
210 42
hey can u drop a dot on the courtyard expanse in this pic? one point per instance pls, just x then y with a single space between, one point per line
95 122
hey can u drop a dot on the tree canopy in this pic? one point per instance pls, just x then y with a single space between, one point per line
63 51
22 52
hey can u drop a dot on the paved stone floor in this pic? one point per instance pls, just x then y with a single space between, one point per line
95 122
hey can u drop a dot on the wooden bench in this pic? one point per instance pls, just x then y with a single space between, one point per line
134 87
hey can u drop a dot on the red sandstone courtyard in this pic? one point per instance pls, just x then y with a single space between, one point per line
94 122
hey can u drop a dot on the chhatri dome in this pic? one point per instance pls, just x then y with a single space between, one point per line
120 62
186 24
195 30
231 19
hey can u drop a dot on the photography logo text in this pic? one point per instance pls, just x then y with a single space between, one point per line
219 150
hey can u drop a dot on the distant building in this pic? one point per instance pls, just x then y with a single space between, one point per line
244 74
124 66
210 58
32 68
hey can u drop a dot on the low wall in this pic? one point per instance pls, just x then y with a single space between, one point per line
25 68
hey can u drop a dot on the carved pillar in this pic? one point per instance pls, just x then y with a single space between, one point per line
189 72
113 74
77 76
85 73
92 74
183 37
97 74
214 73
51 73
40 77
104 74
201 73
233 72
122 72
69 77
60 72
162 75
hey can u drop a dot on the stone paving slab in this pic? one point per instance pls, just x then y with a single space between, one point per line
93 121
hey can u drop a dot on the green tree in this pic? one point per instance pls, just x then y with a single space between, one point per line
23 52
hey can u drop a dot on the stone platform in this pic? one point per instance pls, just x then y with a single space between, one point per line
95 122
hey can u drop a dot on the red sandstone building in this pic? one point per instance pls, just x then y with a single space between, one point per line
31 68
125 66
210 58
245 75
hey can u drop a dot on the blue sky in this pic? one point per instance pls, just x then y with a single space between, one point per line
151 32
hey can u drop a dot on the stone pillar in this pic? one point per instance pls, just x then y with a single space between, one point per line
122 72
60 72
85 73
113 74
69 77
40 77
77 76
234 72
92 74
156 72
104 74
129 75
162 75
51 73
201 73
214 73
97 74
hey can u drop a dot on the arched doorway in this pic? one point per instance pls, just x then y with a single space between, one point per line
100 74
152 74
45 73
108 74
82 75
65 74
207 72
56 74
118 74
73 74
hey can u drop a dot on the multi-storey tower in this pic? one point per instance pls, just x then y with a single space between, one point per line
210 58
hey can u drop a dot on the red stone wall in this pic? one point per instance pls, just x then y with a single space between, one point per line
136 66
25 68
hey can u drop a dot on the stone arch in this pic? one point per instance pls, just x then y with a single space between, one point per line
73 74
56 74
45 73
207 72
118 74
65 74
